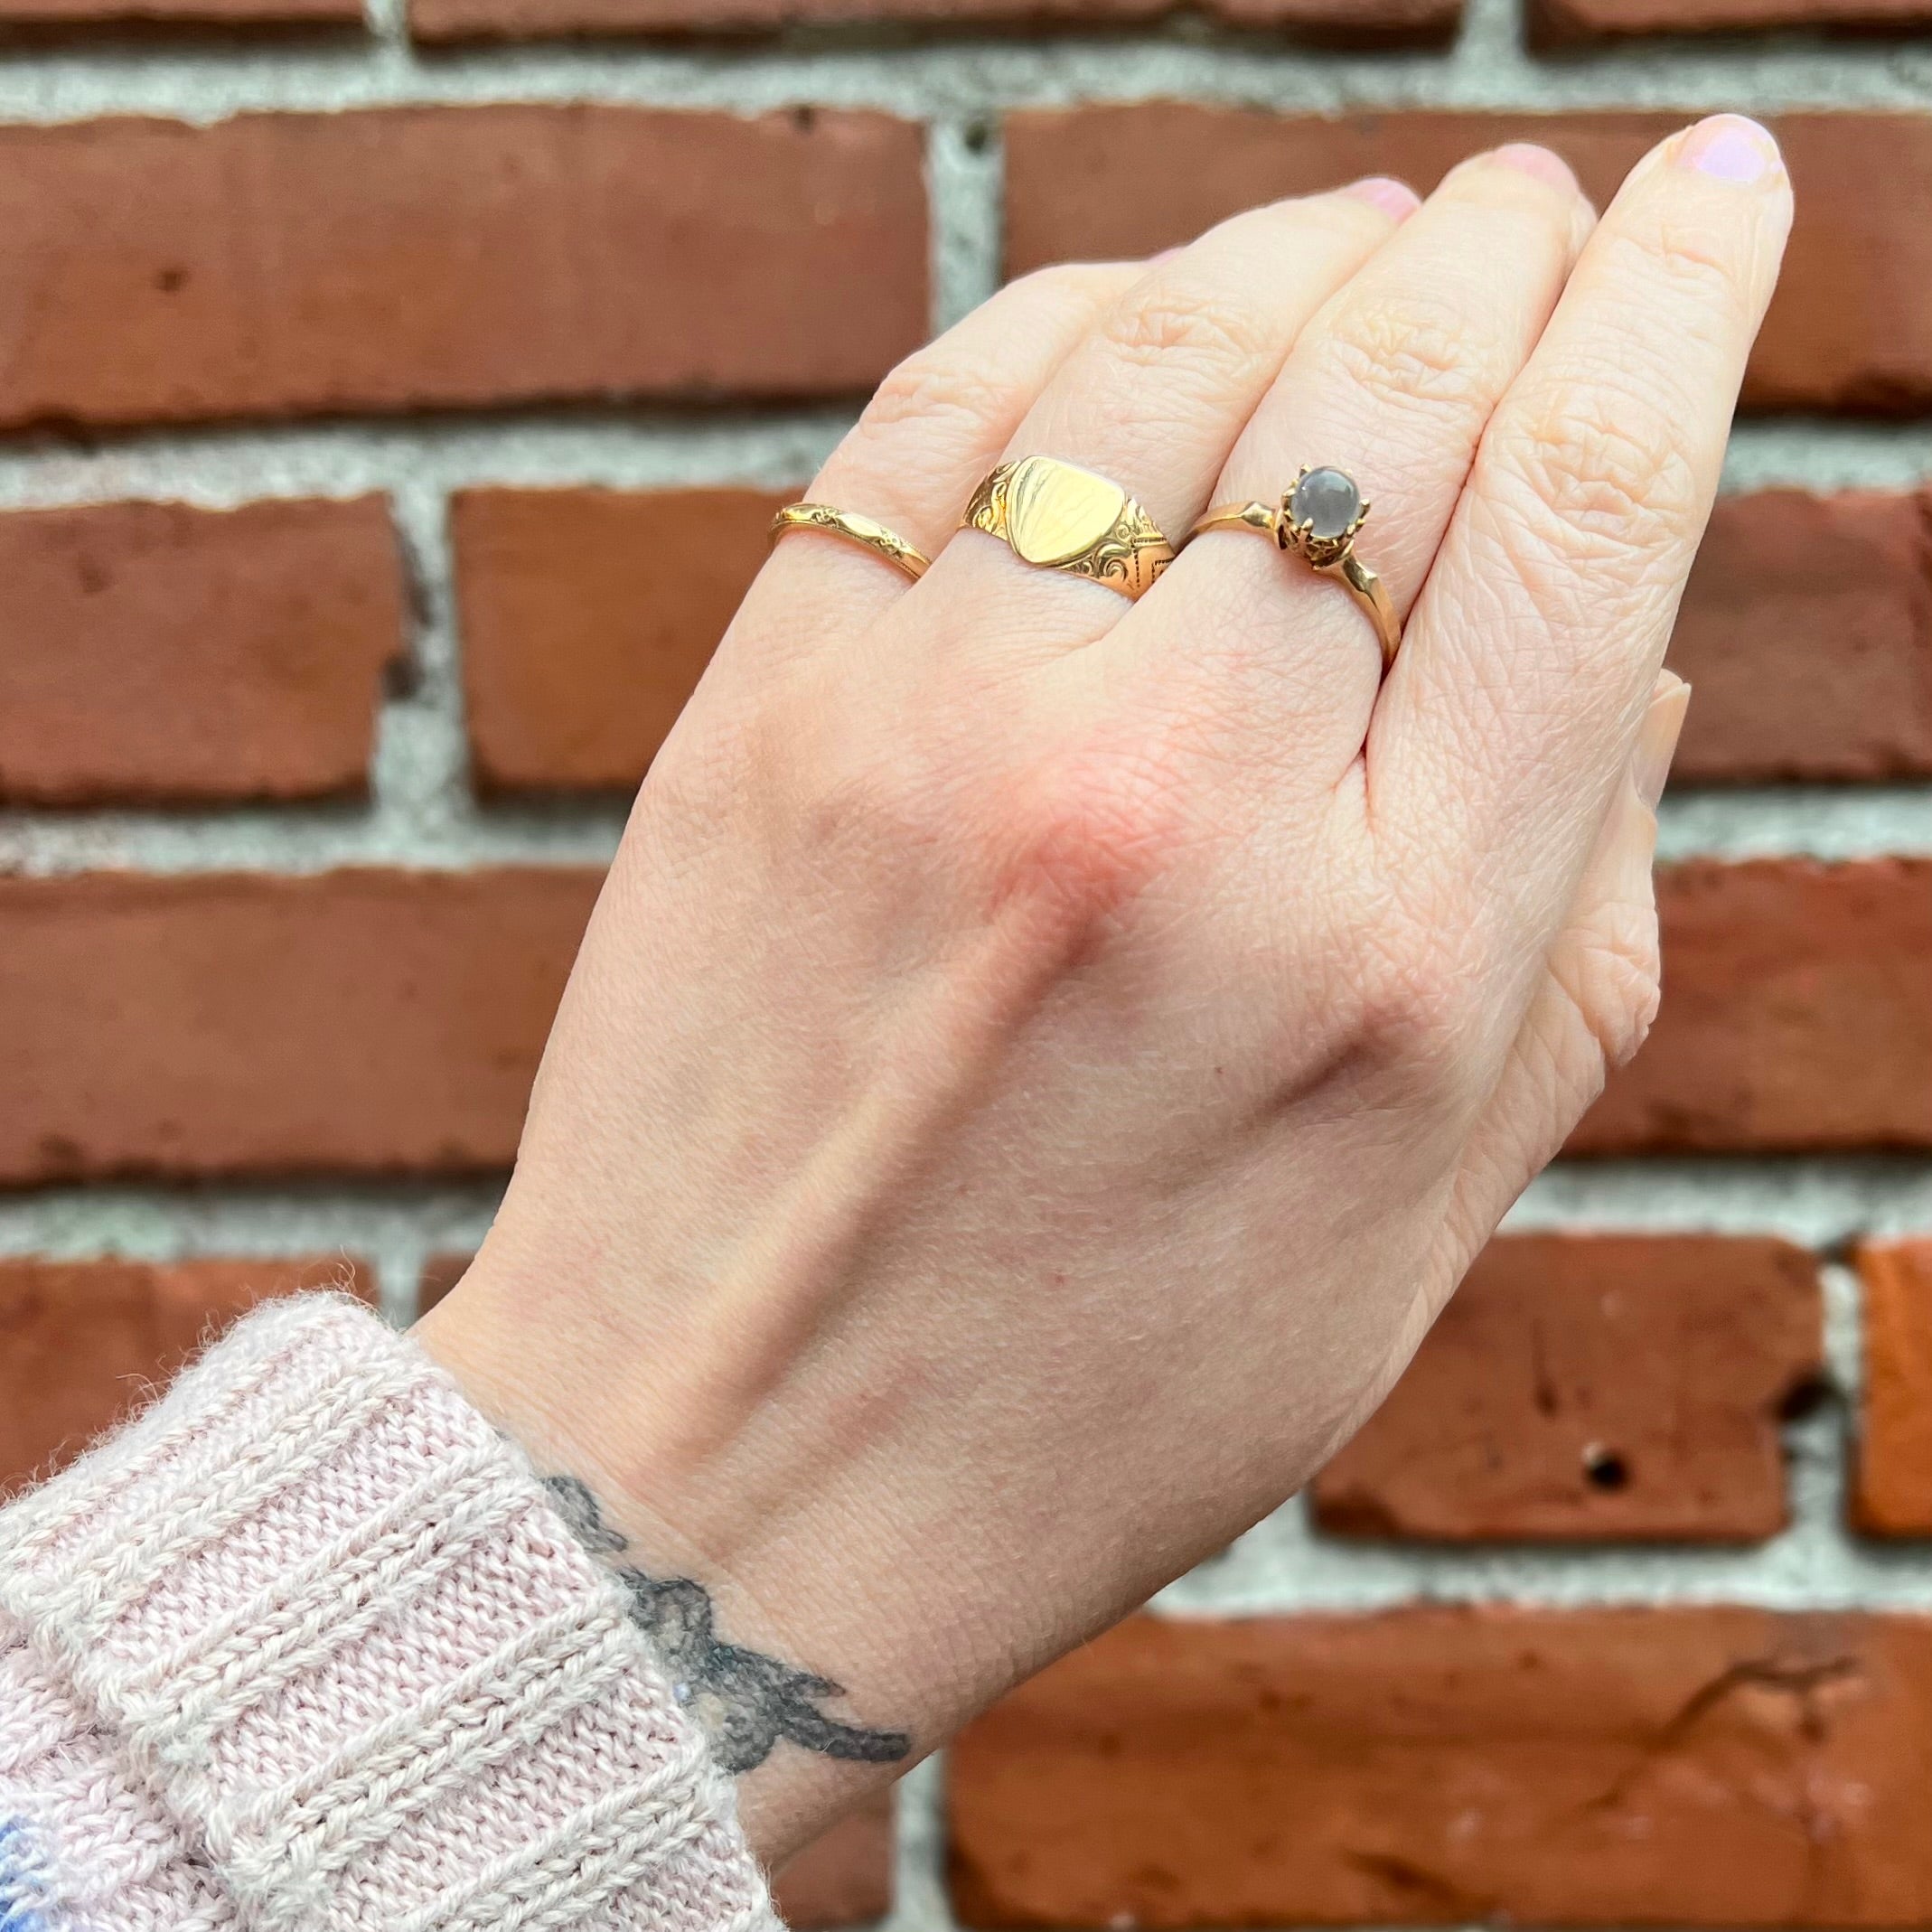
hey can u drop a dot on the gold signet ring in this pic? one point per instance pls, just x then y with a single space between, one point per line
1063 517
863 530
1317 519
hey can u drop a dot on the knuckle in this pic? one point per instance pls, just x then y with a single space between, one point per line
1178 328
1599 472
1408 349
934 385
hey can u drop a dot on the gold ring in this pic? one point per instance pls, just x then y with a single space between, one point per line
874 536
1061 518
1317 519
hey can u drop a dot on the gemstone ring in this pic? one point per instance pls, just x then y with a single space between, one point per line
1317 519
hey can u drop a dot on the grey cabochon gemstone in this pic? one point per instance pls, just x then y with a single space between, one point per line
1327 502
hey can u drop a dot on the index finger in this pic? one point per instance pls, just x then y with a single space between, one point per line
1509 714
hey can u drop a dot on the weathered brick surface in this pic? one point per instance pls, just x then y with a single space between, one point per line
1892 1491
1561 22
454 255
1593 1386
1846 330
1652 1766
843 1878
1373 21
155 651
1807 634
225 1024
589 616
82 1341
1797 1013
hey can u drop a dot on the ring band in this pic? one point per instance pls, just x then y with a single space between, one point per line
1317 519
1059 517
862 531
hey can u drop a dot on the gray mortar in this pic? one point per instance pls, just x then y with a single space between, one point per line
421 811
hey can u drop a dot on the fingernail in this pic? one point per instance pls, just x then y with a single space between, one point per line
1166 255
1540 162
1729 147
1656 740
1395 199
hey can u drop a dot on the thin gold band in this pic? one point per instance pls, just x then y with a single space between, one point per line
1332 556
1057 516
862 531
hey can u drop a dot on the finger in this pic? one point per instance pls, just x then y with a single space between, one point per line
1593 1003
1393 382
935 426
1155 396
1507 717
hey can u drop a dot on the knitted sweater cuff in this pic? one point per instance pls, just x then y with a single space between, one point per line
305 1648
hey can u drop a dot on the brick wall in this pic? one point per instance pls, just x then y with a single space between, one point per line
343 361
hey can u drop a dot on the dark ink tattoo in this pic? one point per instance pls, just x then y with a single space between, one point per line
747 1701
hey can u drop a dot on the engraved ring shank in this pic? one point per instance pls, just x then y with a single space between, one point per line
854 529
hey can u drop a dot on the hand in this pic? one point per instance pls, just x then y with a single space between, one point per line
1040 1061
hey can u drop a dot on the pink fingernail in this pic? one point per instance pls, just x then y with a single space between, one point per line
1729 147
1166 255
1540 162
1395 199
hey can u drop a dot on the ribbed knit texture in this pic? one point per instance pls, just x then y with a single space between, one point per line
305 1648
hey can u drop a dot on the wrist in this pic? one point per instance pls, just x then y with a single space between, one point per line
738 1557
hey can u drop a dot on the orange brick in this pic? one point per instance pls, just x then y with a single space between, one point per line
1593 1386
82 1341
411 258
589 616
1660 1767
1797 1013
1807 634
362 1021
1849 329
154 651
1892 1491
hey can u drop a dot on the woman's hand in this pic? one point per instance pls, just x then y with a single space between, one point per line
1041 1061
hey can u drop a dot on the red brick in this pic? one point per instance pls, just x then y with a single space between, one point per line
405 257
845 1877
1591 1387
67 14
1806 633
155 651
1851 325
82 1341
589 616
1691 1767
1370 21
360 1021
1558 22
1797 1013
441 1272
1892 1490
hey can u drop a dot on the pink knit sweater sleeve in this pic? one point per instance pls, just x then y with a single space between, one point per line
305 1648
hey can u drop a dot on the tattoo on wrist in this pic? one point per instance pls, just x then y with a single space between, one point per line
746 1700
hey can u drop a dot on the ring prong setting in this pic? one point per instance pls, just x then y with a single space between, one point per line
1320 514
